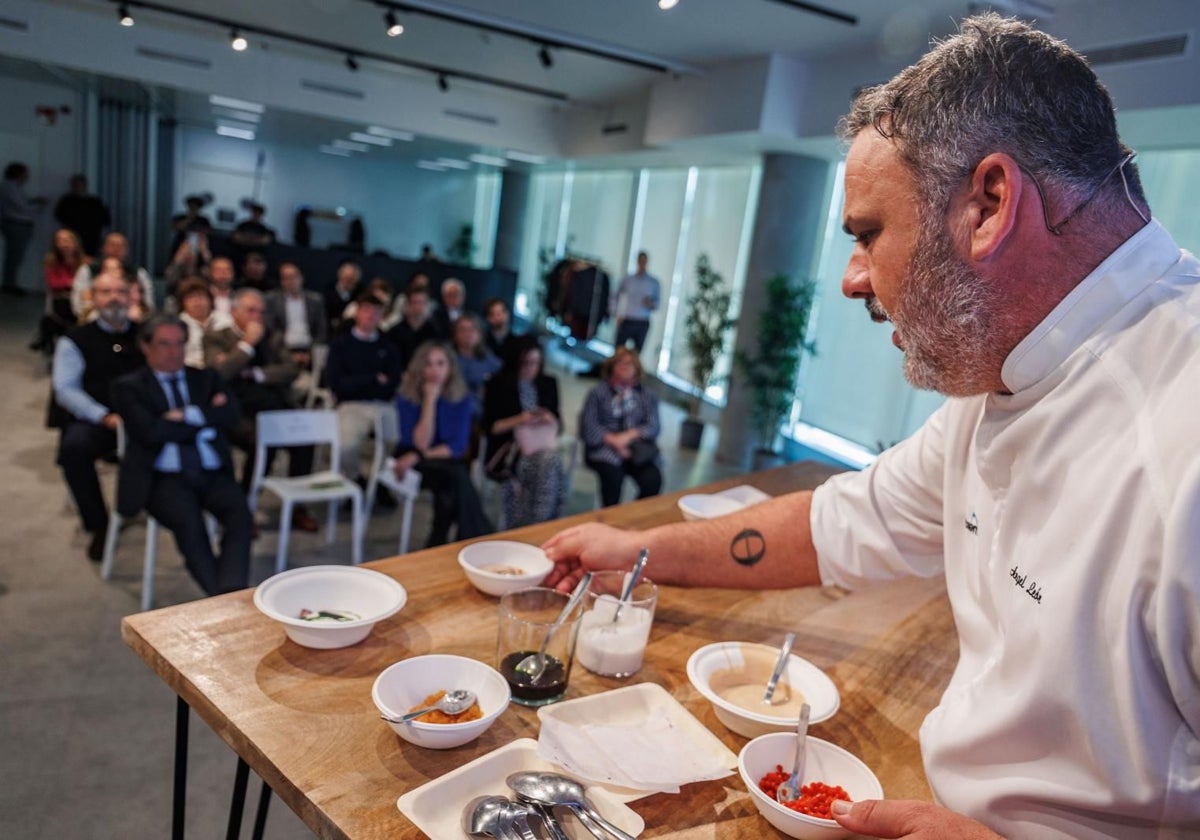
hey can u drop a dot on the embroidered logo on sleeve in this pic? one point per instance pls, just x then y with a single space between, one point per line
1032 590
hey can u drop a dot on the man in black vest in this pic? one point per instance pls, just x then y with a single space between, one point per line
177 461
86 363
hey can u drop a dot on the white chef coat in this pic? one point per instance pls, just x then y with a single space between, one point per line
1066 519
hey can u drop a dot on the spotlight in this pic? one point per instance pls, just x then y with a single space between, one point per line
667 4
394 26
237 40
443 83
123 14
545 57
351 63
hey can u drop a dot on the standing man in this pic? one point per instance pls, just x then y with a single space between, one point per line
259 372
87 361
1000 226
84 213
17 215
635 301
177 461
344 290
298 314
252 234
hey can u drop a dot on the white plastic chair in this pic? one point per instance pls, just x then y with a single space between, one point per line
150 553
405 489
301 427
317 393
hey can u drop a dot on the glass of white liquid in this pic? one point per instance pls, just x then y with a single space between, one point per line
615 648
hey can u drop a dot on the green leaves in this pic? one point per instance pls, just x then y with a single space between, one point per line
705 326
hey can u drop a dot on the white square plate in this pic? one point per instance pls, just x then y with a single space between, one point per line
632 705
436 807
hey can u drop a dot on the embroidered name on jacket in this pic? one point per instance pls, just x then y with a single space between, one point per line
1032 590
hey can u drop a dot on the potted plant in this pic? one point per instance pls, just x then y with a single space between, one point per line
462 248
770 370
705 328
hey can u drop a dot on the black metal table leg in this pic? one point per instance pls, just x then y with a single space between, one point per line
238 803
182 712
260 817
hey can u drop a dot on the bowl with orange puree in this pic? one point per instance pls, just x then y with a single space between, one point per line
829 773
418 682
733 676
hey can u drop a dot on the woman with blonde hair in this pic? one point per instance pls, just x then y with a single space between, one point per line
434 411
58 268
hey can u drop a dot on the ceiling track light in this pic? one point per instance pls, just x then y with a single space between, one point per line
124 16
237 40
394 27
443 83
545 57
351 63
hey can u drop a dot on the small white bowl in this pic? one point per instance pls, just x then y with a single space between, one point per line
803 676
824 763
479 558
369 595
402 686
707 506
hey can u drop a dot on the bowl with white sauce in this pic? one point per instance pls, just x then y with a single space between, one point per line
733 677
497 567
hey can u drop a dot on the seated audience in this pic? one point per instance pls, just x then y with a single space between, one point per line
342 293
220 283
59 267
254 273
191 257
415 329
520 416
618 426
87 360
475 361
378 288
499 327
363 372
115 246
416 280
435 427
191 221
177 462
453 306
196 312
259 372
298 314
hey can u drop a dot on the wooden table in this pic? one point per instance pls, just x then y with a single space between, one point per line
304 722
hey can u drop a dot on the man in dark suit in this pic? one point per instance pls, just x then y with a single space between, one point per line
344 290
177 461
299 316
452 307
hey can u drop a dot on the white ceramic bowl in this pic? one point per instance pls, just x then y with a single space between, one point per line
479 558
369 595
824 763
820 692
403 685
695 506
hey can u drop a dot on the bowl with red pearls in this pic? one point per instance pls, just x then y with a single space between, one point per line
829 772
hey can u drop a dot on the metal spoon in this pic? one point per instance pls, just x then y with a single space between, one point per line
789 790
556 789
483 814
634 575
780 664
452 703
534 665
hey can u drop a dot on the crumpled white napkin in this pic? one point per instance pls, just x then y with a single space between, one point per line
651 754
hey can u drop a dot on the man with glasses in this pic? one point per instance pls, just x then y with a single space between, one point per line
1001 227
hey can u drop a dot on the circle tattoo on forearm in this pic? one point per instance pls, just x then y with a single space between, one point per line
748 547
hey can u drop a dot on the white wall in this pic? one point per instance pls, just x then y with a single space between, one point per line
402 206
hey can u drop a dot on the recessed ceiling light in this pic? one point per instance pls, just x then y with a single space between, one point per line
667 4
453 163
239 133
334 150
354 147
371 138
432 166
395 134
524 157
240 104
235 114
489 160
237 126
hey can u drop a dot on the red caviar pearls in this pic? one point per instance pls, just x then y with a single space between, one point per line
815 797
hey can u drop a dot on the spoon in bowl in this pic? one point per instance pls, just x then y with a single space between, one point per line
452 703
534 665
780 664
789 788
556 789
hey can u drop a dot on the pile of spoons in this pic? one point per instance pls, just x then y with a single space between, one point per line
537 795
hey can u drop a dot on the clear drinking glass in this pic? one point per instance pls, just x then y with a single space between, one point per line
615 649
525 617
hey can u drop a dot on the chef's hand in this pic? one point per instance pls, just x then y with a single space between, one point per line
909 819
589 547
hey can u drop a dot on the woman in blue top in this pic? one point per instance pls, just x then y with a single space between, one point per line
475 360
435 426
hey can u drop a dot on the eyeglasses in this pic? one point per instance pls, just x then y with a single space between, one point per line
1057 229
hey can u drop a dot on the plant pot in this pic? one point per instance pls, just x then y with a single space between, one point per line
765 459
690 433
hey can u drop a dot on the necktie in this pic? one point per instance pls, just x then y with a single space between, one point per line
189 456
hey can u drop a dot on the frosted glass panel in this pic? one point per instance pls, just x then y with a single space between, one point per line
487 216
599 223
541 237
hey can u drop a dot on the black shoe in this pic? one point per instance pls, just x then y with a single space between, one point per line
384 498
95 549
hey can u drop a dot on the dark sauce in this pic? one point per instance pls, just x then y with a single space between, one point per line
551 684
